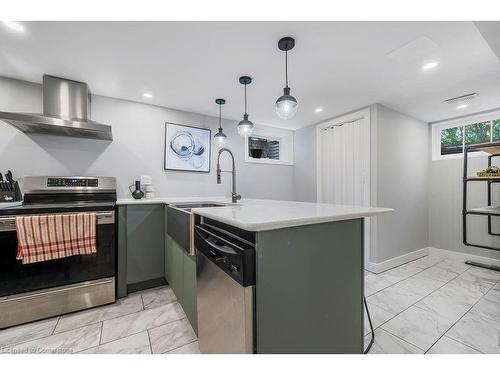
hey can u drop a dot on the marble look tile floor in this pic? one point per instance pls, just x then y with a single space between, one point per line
431 305
151 321
447 307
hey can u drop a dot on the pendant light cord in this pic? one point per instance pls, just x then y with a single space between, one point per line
286 67
220 116
245 98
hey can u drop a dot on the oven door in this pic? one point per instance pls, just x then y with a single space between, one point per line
17 278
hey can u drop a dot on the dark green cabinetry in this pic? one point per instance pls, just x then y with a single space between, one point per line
309 290
189 290
141 247
121 272
309 287
174 260
148 256
180 271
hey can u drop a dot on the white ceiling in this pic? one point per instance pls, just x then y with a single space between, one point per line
339 66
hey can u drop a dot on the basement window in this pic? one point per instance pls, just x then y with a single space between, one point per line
263 148
269 146
449 138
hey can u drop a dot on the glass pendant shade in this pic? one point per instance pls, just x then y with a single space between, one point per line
220 136
286 105
245 126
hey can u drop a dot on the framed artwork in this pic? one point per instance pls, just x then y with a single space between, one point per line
187 148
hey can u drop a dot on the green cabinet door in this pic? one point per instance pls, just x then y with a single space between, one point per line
180 271
140 247
174 267
189 294
145 242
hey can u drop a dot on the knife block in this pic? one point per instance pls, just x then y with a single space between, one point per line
10 192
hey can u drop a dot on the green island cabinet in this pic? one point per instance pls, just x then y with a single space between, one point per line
309 293
148 256
180 271
309 289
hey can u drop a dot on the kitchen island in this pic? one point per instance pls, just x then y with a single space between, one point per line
309 270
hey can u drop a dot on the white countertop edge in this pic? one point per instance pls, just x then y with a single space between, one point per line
251 222
168 200
286 223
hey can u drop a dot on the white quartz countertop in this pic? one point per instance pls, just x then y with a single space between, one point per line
263 214
168 200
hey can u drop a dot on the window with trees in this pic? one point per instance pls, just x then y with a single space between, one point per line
450 138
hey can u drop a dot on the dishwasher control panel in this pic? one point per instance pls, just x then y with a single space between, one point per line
234 256
230 263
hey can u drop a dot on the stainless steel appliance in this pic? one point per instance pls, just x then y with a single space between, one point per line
39 290
225 274
66 109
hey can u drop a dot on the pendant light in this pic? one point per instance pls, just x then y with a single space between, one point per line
245 126
286 105
220 136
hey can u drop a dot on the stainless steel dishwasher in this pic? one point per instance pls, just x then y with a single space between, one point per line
226 288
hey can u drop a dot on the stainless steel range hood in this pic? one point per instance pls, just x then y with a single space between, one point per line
66 108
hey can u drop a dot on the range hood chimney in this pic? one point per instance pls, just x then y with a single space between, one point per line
66 108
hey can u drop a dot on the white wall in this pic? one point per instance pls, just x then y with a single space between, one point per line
445 209
137 148
304 172
400 180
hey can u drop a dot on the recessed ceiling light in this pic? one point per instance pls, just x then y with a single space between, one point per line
147 95
462 106
318 110
430 65
14 26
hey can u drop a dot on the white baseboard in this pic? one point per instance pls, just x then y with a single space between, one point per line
397 261
464 256
405 258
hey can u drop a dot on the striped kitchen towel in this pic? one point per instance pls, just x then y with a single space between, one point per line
47 237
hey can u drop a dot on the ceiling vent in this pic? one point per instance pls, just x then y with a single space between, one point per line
462 98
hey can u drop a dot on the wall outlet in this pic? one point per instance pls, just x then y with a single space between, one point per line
145 180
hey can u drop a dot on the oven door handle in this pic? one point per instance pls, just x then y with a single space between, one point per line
8 223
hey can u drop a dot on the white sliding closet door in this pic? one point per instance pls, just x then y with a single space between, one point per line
344 163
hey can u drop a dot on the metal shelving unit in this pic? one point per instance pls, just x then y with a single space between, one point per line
493 149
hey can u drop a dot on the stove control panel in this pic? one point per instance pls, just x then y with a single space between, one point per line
71 182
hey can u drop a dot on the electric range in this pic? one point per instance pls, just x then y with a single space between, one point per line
39 290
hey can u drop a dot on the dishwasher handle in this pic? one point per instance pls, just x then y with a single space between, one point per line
210 239
227 253
221 248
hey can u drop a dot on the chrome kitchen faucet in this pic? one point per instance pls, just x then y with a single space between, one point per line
234 197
